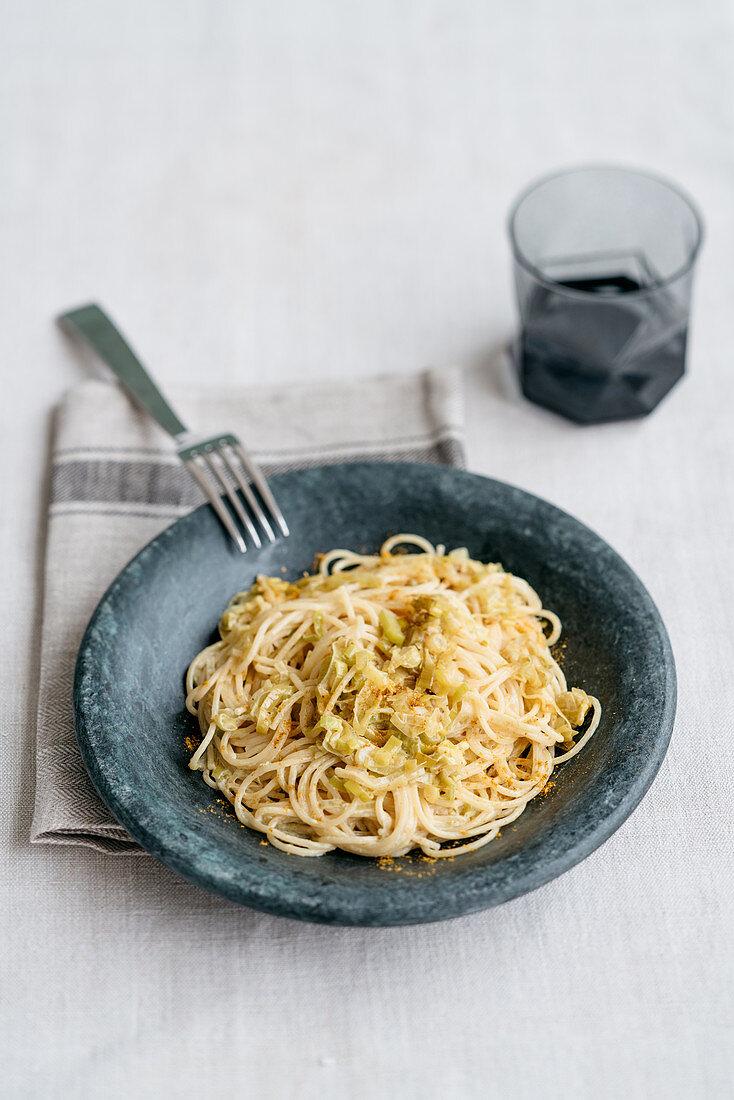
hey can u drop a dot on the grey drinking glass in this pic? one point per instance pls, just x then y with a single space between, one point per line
603 260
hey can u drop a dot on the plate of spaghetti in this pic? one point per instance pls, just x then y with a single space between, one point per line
439 693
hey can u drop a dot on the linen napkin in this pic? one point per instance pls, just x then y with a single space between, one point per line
116 482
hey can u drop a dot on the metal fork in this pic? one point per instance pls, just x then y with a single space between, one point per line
219 464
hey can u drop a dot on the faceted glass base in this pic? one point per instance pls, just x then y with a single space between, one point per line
590 395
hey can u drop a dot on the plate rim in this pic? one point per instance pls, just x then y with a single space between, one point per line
331 910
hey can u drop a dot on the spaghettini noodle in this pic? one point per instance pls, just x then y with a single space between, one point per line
385 703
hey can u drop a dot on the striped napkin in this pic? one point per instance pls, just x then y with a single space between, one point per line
116 482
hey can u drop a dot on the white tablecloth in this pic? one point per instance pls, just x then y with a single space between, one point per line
266 192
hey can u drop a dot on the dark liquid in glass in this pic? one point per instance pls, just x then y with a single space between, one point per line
600 355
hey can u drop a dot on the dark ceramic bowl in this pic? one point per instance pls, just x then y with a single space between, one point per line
164 606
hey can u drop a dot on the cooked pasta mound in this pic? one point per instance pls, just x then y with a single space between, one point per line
385 703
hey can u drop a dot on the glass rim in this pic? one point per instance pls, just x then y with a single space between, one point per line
521 259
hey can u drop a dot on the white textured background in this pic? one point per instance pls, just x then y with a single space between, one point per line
279 190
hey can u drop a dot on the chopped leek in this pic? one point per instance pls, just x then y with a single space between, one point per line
376 678
428 606
425 679
429 738
408 657
331 723
457 694
318 628
561 725
228 719
357 791
574 705
441 684
269 705
390 626
380 758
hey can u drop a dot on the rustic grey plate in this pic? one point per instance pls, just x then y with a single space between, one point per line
164 606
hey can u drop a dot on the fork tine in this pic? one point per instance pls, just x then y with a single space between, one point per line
234 500
215 500
262 488
248 494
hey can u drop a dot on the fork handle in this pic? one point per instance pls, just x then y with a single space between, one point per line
93 324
